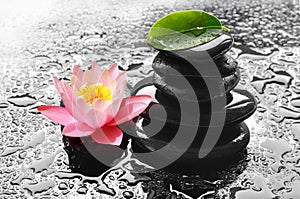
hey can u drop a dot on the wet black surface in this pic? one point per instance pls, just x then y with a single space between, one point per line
43 38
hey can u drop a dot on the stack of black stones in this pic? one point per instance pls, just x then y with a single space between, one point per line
169 92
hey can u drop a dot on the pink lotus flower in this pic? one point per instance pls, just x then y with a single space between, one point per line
95 104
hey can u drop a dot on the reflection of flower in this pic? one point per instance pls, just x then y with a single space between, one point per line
94 104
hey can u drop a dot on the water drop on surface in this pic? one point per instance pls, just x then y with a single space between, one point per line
63 186
4 105
38 187
295 102
73 38
277 148
82 190
288 113
262 192
128 194
22 100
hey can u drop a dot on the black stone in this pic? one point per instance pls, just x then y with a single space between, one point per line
164 98
166 65
226 65
240 105
224 153
177 88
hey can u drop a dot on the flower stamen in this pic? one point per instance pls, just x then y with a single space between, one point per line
91 93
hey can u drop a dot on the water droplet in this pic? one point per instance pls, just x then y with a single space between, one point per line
295 191
22 100
278 148
4 105
22 154
38 187
63 186
295 129
82 190
36 139
288 113
43 163
122 186
128 194
280 77
260 190
295 102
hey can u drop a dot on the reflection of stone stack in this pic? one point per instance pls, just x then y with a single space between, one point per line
166 89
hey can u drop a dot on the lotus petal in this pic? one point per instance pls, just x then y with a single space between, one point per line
77 129
113 71
57 114
108 135
130 108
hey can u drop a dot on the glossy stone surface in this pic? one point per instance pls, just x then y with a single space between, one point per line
175 86
240 107
164 64
226 64
224 153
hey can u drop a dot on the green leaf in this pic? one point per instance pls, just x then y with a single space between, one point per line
184 29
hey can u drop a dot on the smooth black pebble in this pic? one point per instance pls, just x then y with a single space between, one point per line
167 65
188 87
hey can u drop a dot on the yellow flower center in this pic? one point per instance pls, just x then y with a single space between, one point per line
93 92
